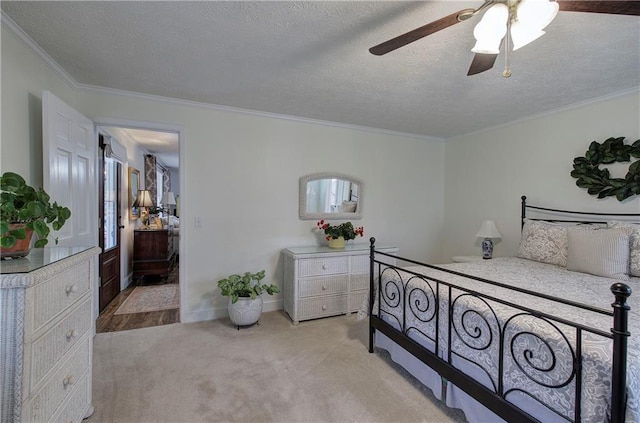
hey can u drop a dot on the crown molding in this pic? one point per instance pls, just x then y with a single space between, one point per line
8 23
574 106
229 109
23 37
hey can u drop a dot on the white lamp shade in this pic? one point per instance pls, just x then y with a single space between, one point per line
491 29
533 17
537 13
523 35
489 230
168 199
143 199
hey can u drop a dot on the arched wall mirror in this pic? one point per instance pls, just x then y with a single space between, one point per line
330 196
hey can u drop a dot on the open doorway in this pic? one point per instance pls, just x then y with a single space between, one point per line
150 251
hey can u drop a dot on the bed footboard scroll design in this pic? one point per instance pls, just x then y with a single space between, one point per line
493 398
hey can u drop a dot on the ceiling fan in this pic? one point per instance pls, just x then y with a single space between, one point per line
517 21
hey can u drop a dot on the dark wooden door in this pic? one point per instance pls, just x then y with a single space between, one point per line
110 225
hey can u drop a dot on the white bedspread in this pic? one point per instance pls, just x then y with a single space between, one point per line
477 326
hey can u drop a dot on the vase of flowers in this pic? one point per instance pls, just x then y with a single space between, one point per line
338 235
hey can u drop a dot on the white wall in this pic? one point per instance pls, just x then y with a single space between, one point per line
486 173
239 173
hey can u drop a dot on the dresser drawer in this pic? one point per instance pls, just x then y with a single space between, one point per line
49 398
53 345
360 264
356 299
359 282
74 409
323 266
322 306
323 286
59 293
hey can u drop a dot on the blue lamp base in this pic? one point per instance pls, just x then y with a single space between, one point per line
487 248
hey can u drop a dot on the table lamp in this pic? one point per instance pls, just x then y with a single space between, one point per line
168 200
489 232
143 201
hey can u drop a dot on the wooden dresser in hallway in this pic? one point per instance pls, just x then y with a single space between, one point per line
153 252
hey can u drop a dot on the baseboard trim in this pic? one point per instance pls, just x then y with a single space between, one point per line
221 312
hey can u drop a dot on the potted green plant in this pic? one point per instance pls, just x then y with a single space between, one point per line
337 236
244 292
23 211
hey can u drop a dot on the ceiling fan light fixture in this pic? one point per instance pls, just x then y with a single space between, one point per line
532 17
537 13
490 31
521 35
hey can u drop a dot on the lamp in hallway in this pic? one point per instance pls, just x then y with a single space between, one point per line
168 200
488 231
144 201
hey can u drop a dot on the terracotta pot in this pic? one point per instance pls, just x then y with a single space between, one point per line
337 243
22 247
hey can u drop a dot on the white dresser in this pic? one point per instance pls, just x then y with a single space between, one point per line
46 335
321 282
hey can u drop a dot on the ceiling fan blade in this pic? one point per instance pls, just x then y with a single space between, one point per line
481 62
623 7
416 34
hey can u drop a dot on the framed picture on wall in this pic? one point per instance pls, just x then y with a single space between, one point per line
134 186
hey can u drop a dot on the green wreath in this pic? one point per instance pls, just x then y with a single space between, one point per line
598 181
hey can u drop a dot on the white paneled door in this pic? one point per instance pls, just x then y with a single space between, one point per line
70 154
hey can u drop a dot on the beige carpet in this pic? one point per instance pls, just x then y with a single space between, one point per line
318 371
151 298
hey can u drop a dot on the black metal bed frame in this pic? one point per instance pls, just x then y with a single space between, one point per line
424 306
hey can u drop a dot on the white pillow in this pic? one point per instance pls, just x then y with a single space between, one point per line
603 252
544 242
634 239
348 207
174 221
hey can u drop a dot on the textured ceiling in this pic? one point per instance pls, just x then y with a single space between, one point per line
311 59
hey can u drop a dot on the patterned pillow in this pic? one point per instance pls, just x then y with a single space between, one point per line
602 253
544 242
634 236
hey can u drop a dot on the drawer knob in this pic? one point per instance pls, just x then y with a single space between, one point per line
324 267
324 307
72 334
69 289
69 380
324 287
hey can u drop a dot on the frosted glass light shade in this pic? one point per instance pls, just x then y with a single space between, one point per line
491 29
488 230
532 17
537 13
523 35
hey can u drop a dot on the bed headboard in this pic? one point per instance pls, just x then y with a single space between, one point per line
570 216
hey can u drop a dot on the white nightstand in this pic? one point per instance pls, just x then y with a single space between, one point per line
466 259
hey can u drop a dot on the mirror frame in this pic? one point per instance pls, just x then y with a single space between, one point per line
134 186
302 197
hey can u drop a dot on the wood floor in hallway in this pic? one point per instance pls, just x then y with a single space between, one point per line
110 322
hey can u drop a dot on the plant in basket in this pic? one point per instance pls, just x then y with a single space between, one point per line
244 292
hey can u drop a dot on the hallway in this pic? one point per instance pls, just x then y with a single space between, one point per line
109 321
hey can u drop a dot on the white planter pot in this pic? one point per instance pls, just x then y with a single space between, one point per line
245 311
